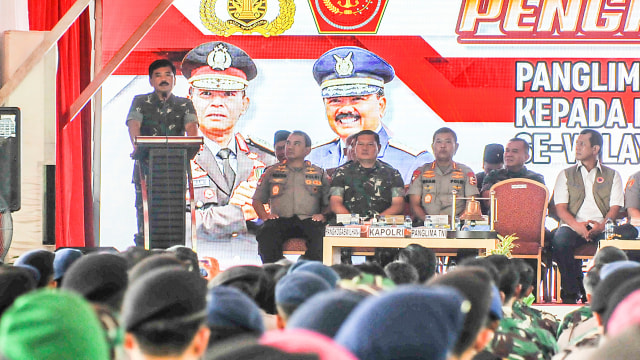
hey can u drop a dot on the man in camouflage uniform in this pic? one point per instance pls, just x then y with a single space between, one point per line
297 193
159 113
432 184
517 339
522 311
367 186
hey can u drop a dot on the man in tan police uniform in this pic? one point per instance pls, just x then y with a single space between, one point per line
298 194
432 183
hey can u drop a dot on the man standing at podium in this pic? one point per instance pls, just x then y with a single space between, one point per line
159 113
227 169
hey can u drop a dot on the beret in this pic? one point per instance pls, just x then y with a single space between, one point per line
228 307
62 261
164 295
294 289
410 322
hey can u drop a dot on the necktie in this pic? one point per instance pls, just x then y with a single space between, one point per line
229 174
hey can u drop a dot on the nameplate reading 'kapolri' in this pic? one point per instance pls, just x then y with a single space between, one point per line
342 231
428 233
386 231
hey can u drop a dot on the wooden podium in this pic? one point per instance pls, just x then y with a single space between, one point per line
163 188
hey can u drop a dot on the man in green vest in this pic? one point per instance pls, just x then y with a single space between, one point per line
586 196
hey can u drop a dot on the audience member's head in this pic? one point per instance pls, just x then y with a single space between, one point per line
607 286
610 268
153 262
508 277
483 263
35 274
475 284
41 260
250 349
411 322
133 255
371 267
525 276
616 297
318 268
625 315
609 254
324 313
231 313
423 259
402 273
346 271
294 289
188 257
304 341
14 281
251 280
63 258
590 281
164 314
52 324
100 277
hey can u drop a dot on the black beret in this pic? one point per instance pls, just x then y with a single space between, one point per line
493 154
164 294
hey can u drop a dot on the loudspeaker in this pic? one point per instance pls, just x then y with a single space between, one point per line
10 157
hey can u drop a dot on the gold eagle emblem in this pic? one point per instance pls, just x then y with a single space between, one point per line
246 17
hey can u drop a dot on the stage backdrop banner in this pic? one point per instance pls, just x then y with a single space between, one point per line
491 70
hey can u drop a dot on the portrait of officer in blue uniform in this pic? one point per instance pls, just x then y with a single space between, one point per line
352 85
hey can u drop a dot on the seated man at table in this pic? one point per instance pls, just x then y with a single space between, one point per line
586 196
297 193
367 186
515 155
432 183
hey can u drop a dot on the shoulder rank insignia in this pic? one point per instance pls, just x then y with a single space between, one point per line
400 146
472 178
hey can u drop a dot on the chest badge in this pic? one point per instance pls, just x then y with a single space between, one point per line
428 198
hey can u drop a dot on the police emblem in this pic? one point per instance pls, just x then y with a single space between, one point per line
629 183
415 175
208 194
348 16
275 190
472 178
219 58
600 180
247 17
428 198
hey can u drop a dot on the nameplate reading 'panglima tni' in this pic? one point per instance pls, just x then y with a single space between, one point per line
386 232
428 233
342 231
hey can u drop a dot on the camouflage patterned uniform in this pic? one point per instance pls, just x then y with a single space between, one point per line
581 335
367 191
541 319
575 317
157 118
583 345
519 340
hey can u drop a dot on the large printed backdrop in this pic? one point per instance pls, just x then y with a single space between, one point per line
486 75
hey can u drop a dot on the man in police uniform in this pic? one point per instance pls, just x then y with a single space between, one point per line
228 167
159 113
352 81
586 196
432 184
367 186
297 193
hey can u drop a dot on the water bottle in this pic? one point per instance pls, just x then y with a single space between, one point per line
427 222
608 230
354 219
408 224
382 221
